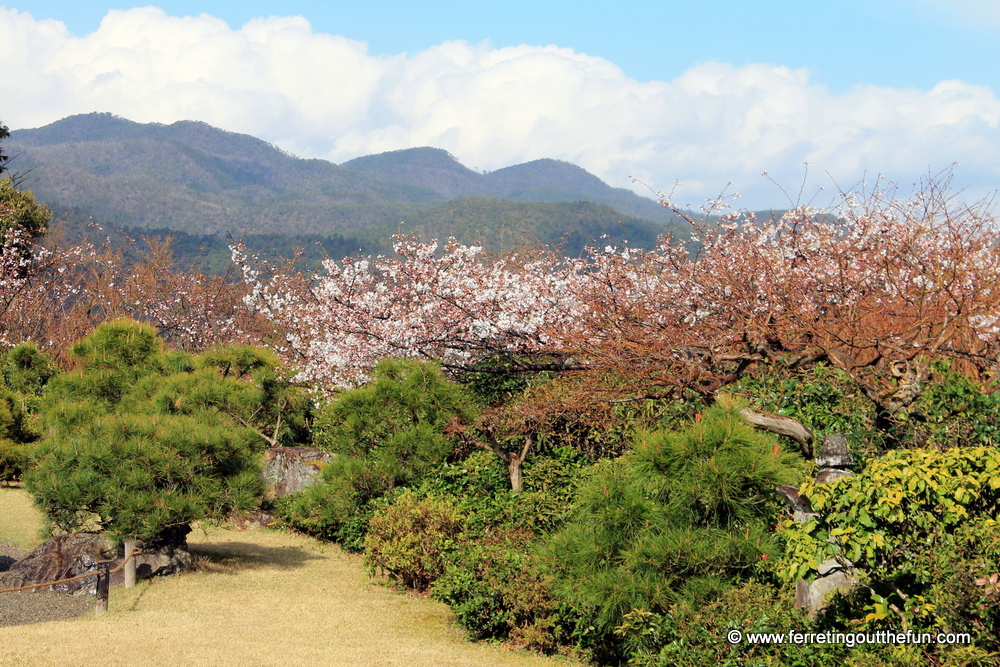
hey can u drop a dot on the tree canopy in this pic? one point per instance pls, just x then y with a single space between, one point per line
143 441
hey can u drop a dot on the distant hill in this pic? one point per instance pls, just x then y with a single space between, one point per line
205 183
541 180
192 177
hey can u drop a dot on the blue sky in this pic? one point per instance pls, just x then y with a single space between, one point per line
843 42
702 93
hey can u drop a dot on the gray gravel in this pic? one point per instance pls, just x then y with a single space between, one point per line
36 606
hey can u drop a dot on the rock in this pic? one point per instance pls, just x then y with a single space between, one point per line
813 597
159 563
288 470
801 509
73 554
6 562
828 475
834 452
167 554
61 557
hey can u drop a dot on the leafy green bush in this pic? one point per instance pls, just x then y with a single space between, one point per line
954 411
497 591
823 399
920 528
685 516
21 213
386 435
15 458
141 476
410 539
696 635
24 372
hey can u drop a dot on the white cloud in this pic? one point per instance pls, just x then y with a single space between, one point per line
321 95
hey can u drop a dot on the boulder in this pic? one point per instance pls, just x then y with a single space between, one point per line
801 508
288 470
67 556
157 563
829 475
61 557
252 520
833 575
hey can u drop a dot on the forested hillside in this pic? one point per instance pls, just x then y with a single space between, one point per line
205 184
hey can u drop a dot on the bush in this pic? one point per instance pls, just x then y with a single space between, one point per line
920 528
685 516
410 539
497 591
823 399
142 476
386 435
145 441
24 372
15 458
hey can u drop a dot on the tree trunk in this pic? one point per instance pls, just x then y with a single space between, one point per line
514 470
513 460
130 565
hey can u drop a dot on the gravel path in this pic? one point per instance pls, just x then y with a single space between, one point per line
36 606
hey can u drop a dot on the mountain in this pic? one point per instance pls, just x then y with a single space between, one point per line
192 178
544 180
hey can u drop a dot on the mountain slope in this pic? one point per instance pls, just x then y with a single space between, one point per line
543 180
193 178
190 176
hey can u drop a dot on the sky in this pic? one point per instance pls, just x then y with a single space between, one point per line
686 97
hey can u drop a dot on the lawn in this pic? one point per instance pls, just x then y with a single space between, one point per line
257 598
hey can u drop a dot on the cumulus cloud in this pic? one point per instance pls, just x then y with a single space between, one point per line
321 95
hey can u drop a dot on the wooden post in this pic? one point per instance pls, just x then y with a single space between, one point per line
130 565
103 581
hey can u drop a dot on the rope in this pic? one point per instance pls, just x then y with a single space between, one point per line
132 553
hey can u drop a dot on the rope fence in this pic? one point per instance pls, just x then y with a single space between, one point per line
103 575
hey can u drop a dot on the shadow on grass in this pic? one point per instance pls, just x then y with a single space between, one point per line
236 557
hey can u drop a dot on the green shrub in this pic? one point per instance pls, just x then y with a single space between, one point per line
411 538
920 528
141 476
953 412
823 399
497 591
386 435
685 516
15 458
144 441
24 372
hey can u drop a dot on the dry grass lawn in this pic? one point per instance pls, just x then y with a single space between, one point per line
19 520
258 598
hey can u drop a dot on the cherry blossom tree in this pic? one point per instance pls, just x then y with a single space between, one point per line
879 287
459 307
54 294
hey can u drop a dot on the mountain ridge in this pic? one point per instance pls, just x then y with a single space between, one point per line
192 178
